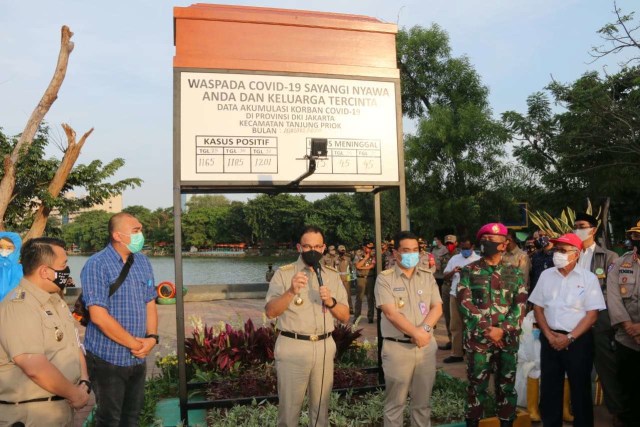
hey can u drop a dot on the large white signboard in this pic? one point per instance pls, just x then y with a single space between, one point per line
247 128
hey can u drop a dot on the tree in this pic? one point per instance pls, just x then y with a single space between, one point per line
456 156
205 201
619 36
339 218
89 231
35 173
10 161
276 218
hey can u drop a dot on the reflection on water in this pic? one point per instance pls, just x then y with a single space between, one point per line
202 271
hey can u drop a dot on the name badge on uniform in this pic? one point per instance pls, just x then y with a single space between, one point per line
423 308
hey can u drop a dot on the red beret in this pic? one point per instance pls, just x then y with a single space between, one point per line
492 228
569 239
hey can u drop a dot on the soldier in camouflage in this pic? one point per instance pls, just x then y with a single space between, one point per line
491 298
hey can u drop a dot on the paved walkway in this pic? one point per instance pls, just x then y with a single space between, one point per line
236 312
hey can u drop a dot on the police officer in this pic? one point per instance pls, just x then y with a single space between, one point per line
365 280
598 261
305 349
516 257
451 243
43 375
491 299
331 258
623 299
411 306
345 269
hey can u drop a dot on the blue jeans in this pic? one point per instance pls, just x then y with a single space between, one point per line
119 392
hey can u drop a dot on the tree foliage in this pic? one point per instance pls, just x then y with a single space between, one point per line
455 159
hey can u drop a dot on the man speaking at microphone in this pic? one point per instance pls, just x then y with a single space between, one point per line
306 298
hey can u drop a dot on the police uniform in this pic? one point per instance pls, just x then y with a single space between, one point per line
487 296
33 321
331 258
446 287
304 343
365 281
623 300
519 259
343 264
408 370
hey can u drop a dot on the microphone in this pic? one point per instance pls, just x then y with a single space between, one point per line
316 268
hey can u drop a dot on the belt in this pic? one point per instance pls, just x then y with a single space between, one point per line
560 332
368 275
41 399
296 336
398 340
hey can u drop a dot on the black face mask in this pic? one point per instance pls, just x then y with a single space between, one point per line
62 277
311 257
636 244
489 248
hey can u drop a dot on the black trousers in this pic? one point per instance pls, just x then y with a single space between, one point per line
576 362
629 380
119 392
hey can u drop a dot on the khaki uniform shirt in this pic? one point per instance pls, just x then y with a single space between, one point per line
519 259
306 318
413 297
623 296
344 267
33 321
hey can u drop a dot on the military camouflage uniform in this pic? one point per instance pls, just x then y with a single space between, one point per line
491 296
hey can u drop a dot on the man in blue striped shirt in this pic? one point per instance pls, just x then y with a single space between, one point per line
123 327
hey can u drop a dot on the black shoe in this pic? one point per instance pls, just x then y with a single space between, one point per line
472 423
370 320
453 359
447 346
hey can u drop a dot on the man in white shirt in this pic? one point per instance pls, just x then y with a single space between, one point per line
566 301
452 273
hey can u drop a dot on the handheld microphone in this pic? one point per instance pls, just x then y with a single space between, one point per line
316 268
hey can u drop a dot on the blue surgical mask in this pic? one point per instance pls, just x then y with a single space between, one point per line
536 334
466 252
410 260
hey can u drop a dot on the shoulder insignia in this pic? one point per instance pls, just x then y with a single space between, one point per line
425 269
387 272
287 267
330 268
18 295
625 265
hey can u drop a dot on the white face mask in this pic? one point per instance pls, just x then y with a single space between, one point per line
583 233
5 252
560 260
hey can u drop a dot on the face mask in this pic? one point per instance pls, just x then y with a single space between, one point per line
489 248
5 252
410 260
137 242
62 277
434 243
466 253
536 334
582 233
311 257
560 260
451 247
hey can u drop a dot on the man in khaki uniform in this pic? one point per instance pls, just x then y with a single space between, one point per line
411 306
345 269
623 300
331 257
305 349
516 257
366 276
43 375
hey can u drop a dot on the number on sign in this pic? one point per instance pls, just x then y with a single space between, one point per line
368 164
235 162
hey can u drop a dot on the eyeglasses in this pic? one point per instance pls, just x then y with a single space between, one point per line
317 248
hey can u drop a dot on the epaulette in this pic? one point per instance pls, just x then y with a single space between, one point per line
387 271
18 295
328 267
287 267
425 269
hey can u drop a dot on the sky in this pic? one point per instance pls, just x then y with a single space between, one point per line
119 79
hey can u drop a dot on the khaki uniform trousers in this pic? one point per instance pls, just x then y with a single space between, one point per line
456 329
38 414
408 370
347 287
444 294
299 365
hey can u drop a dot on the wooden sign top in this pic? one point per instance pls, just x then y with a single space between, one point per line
282 40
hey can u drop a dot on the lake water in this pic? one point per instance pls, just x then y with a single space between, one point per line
202 271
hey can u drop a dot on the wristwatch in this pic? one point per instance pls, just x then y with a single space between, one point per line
334 304
427 328
87 383
157 338
571 338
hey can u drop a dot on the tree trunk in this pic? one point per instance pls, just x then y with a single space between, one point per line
7 184
59 179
